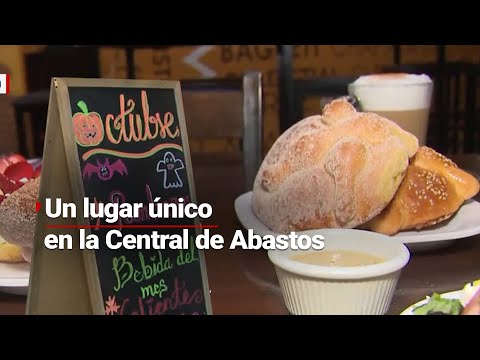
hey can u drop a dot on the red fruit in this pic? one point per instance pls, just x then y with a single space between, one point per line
15 158
19 171
8 186
4 164
2 198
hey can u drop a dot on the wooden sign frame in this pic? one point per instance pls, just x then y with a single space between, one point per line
67 281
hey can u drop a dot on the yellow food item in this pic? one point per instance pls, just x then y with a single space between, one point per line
10 253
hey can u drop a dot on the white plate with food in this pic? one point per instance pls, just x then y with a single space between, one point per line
465 223
351 169
458 302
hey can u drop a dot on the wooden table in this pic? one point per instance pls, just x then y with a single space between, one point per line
244 281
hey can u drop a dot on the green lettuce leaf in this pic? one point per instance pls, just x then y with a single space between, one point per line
437 304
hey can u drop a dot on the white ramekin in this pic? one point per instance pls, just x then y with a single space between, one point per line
323 290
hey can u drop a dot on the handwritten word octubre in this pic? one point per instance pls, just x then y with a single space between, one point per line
128 126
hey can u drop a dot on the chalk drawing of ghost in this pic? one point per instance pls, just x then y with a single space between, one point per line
170 167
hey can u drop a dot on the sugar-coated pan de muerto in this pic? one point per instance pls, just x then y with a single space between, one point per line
335 170
18 216
349 169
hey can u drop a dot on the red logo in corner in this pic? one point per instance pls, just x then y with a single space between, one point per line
4 84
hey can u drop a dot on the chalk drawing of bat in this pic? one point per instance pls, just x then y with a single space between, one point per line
105 170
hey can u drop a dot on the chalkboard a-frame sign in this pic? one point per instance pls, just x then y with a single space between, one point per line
93 150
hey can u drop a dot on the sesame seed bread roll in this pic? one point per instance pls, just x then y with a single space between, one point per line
18 216
432 190
335 170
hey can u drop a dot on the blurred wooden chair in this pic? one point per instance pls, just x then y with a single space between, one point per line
61 61
31 109
472 144
31 119
230 110
293 92
322 89
8 140
453 125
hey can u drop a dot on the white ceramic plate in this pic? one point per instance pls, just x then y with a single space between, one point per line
465 223
14 278
449 295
